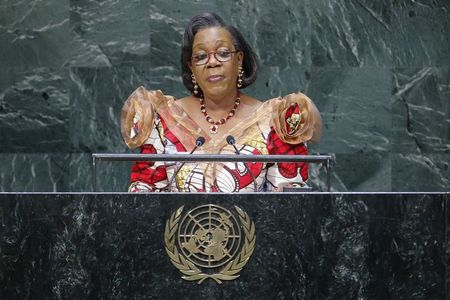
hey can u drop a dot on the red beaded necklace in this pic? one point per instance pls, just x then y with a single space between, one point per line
214 124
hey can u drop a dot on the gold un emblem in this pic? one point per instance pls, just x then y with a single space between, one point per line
209 242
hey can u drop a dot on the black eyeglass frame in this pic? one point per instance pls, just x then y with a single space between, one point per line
215 56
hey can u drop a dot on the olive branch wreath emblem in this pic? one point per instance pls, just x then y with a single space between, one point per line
190 270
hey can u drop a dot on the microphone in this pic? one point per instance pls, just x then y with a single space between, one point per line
232 142
198 143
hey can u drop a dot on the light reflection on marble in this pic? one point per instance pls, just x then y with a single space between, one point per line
117 32
355 107
351 33
34 33
97 96
34 172
421 32
34 107
421 118
427 172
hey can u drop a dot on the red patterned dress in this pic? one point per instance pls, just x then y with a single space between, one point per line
155 123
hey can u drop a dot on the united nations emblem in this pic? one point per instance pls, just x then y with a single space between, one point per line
209 242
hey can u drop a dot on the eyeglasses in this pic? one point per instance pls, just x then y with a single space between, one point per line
202 59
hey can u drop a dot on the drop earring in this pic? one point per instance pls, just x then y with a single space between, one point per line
240 75
195 84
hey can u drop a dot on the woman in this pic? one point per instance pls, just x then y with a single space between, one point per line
216 63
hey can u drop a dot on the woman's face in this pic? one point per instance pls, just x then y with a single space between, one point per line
215 78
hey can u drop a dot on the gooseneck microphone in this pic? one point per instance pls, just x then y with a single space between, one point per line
198 143
231 141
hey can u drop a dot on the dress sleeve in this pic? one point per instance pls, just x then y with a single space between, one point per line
141 128
295 121
147 176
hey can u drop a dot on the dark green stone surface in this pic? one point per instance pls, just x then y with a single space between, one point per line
377 70
313 246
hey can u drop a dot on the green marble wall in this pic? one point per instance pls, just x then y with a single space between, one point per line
379 71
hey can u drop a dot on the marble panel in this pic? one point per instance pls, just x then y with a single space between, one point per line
355 108
108 33
167 22
279 35
407 251
447 243
420 173
421 110
168 80
315 246
34 33
339 53
274 82
34 172
97 96
358 172
110 176
351 33
420 37
34 110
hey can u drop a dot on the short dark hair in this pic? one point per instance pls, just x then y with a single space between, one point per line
206 20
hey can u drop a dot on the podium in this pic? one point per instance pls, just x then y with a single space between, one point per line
325 160
307 246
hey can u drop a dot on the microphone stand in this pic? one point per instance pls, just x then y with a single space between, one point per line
231 141
198 143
